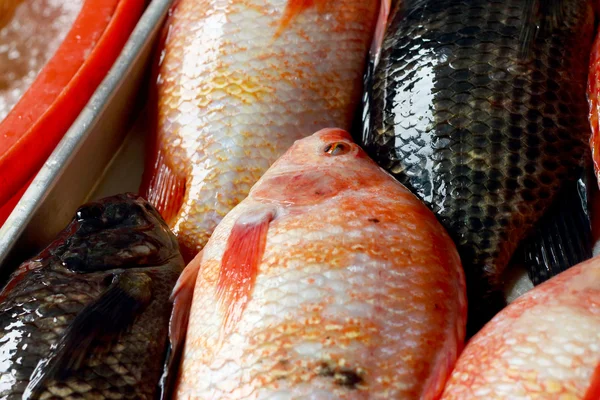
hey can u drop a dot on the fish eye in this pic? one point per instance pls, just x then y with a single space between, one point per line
91 211
337 148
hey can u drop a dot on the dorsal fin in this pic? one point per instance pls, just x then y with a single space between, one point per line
295 8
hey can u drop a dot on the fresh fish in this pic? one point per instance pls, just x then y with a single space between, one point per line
479 108
330 281
545 345
238 82
88 317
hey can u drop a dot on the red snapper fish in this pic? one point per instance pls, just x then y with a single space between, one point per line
330 280
545 345
238 82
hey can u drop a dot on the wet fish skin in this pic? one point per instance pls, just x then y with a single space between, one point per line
330 280
238 83
128 243
485 137
544 345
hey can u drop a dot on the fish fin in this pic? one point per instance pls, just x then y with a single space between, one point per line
93 329
182 297
295 8
593 392
563 236
187 279
380 28
239 265
540 16
165 189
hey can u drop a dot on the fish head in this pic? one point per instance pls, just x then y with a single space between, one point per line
327 148
316 168
122 231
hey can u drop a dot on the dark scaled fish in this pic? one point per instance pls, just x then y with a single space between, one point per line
88 318
479 107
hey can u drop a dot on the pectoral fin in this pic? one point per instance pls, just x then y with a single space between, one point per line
97 326
239 265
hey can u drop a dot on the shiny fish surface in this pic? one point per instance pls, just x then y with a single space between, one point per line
238 83
330 281
484 126
545 345
88 317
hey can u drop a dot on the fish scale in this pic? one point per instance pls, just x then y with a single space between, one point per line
339 284
485 136
543 346
43 321
47 294
238 82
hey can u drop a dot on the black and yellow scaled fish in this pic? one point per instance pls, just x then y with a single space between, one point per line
479 107
89 316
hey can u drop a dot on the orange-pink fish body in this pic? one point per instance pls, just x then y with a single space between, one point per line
545 345
330 281
238 82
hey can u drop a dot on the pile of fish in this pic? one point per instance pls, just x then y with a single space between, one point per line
322 266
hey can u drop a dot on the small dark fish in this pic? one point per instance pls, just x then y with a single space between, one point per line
88 317
479 107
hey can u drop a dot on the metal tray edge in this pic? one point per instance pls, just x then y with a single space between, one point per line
15 225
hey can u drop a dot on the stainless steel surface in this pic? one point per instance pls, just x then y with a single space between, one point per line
96 156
